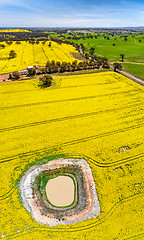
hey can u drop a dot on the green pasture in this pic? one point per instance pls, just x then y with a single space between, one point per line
135 69
133 50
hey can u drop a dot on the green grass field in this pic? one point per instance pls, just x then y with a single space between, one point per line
98 117
132 49
136 69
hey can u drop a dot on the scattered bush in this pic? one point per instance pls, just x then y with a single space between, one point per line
46 81
2 46
12 54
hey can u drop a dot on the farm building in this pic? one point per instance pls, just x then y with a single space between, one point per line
23 72
29 67
35 66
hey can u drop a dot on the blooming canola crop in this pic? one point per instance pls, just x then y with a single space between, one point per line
30 54
97 117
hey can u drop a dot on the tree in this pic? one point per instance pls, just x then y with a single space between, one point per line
87 56
58 64
73 67
49 69
122 56
47 64
2 46
43 70
46 81
10 76
32 71
117 66
106 65
49 44
74 62
12 54
9 42
55 69
15 75
43 43
91 50
63 68
52 63
82 47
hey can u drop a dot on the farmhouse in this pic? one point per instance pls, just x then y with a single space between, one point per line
26 71
29 67
35 66
23 72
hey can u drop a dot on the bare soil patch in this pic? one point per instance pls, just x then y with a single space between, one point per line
77 56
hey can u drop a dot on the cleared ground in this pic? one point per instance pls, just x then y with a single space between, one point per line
30 54
98 117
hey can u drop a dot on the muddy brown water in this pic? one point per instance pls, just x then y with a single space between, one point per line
60 191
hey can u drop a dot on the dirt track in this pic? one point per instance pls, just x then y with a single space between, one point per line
4 77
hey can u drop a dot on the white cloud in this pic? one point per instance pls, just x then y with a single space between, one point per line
68 17
34 20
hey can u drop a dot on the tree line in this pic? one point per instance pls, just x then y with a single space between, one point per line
57 67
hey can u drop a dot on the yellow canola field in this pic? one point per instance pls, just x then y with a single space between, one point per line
29 54
14 30
98 117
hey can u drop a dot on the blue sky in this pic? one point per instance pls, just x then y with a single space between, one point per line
72 13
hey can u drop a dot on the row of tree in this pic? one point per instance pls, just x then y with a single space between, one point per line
54 67
23 36
57 67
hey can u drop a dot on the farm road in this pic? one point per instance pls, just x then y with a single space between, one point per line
135 63
135 79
